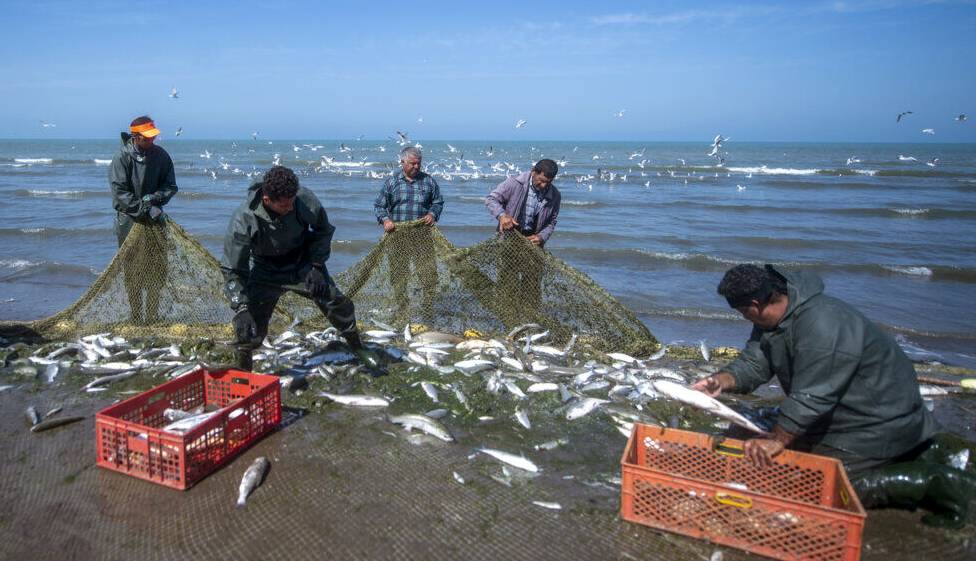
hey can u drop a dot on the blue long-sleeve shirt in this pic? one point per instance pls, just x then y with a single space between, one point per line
401 200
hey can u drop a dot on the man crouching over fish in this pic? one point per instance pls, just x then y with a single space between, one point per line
851 393
279 239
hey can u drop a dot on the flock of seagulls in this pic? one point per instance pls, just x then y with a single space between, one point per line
961 118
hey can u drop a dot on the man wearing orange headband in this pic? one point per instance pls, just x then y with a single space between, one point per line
143 180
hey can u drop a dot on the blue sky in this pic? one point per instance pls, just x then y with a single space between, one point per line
780 71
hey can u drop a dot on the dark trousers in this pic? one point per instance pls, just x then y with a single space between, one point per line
265 286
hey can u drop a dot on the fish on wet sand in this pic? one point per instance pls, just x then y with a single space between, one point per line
520 462
424 424
357 400
56 422
252 478
584 407
550 506
33 417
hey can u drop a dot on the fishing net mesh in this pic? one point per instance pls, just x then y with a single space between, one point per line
162 283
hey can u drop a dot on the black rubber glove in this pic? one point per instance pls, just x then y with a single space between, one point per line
316 283
245 328
155 213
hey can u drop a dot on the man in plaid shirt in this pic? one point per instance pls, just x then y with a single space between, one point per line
410 194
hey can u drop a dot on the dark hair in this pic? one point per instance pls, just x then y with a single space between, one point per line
279 183
744 283
546 167
140 121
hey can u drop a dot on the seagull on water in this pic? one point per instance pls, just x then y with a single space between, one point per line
902 114
962 117
932 163
173 94
907 158
740 188
928 131
520 123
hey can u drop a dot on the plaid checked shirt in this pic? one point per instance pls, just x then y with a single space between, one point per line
401 200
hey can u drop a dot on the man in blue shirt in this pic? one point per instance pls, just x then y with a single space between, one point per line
410 194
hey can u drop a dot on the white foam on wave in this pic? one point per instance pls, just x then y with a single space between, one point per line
684 256
913 271
472 198
32 230
54 194
16 264
34 160
870 172
579 203
102 162
910 211
350 164
774 171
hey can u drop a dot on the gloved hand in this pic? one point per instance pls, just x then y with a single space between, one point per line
155 213
316 283
245 328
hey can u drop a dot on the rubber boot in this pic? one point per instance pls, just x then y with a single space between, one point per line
243 359
367 357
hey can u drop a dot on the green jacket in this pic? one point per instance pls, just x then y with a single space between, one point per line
134 175
255 239
848 384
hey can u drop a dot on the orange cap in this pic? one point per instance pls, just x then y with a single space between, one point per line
148 130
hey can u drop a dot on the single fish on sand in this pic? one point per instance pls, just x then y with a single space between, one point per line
55 422
424 424
357 400
520 462
252 478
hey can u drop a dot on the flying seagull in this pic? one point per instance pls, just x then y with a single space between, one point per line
853 160
47 125
403 138
928 131
902 114
520 123
962 117
932 163
907 158
254 135
620 113
179 131
420 119
173 94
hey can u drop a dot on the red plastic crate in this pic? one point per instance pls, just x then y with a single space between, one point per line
801 509
129 436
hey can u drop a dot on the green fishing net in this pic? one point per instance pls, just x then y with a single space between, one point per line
162 283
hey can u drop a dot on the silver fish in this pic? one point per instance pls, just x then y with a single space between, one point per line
458 478
189 423
520 462
514 363
33 416
50 372
357 400
702 401
542 387
523 418
552 444
54 411
473 366
104 380
252 478
424 424
704 350
513 389
55 422
378 334
462 399
621 357
659 354
437 413
584 407
430 390
407 335
551 506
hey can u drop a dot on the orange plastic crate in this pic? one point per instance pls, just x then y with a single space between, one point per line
803 508
129 436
